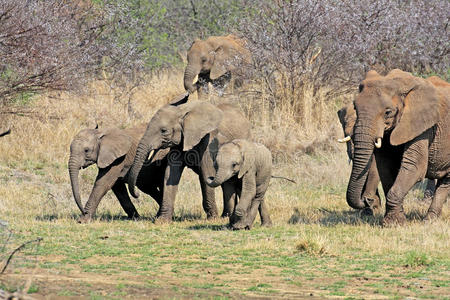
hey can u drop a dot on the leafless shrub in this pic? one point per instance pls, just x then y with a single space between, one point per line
46 45
308 52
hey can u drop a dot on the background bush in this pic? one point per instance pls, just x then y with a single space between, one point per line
306 52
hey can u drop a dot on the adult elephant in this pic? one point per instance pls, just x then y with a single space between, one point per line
370 193
113 151
193 131
215 60
405 121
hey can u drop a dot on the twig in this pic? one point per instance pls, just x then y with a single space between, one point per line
285 178
16 250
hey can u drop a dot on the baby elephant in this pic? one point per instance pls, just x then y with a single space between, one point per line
113 151
244 169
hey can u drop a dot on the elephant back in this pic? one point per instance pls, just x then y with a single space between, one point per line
234 124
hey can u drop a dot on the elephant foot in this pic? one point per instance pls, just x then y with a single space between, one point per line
266 223
367 212
134 217
432 215
163 220
393 219
373 203
84 219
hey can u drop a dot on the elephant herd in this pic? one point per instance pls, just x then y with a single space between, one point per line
397 132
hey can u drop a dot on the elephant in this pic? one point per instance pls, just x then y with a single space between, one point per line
370 193
405 122
193 131
244 169
215 60
113 151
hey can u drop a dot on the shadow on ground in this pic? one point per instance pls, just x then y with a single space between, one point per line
329 218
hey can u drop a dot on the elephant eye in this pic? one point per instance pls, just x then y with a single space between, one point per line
389 113
86 150
234 164
203 59
164 131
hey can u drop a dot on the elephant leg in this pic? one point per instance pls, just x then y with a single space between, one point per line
429 190
105 180
121 192
370 192
412 169
262 207
229 198
264 214
239 219
172 177
440 195
208 199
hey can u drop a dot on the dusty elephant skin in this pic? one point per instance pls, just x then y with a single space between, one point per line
244 169
215 60
193 131
405 121
113 151
370 193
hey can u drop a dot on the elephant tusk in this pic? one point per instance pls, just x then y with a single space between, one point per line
344 140
150 155
378 143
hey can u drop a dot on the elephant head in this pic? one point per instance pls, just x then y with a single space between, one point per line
347 118
233 158
212 57
178 124
391 109
92 146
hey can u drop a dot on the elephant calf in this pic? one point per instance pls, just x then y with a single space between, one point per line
113 151
244 169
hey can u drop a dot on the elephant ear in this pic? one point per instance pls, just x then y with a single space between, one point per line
421 107
248 156
112 145
221 62
347 118
198 118
180 99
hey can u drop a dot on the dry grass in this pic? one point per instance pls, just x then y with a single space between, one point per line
310 218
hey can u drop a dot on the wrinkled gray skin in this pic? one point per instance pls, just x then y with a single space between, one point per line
193 131
244 169
370 193
113 151
215 60
412 117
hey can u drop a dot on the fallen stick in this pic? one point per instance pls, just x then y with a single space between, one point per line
16 250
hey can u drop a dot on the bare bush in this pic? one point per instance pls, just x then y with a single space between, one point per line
45 45
308 52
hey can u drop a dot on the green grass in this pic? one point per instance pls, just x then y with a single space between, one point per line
318 245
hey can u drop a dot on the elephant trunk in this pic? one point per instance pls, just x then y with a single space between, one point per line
362 155
221 177
74 169
189 75
142 152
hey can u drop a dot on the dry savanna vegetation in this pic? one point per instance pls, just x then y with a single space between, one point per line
318 247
